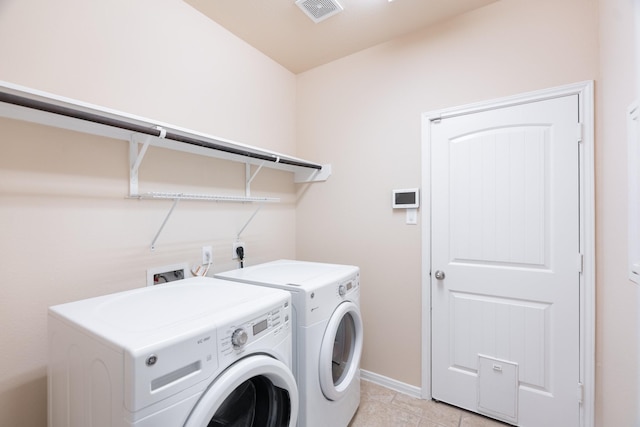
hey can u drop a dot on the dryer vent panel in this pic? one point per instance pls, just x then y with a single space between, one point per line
319 10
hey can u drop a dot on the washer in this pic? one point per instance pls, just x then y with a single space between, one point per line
193 353
327 337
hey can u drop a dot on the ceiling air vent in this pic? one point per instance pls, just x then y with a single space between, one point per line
319 10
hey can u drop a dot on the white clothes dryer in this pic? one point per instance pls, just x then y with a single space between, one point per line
199 352
327 337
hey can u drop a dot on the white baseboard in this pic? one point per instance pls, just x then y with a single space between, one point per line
387 382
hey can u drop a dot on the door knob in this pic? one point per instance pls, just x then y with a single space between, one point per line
439 275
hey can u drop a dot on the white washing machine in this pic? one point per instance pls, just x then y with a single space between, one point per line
200 352
327 337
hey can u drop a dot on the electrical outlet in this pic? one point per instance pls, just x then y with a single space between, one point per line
237 245
207 255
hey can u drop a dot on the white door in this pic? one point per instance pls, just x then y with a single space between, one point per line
505 246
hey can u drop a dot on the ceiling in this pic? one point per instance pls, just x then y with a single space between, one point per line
282 31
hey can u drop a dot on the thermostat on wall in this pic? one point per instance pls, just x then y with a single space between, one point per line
406 199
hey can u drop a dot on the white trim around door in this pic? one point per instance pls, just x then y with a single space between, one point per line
585 391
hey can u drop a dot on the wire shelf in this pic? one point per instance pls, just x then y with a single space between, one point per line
205 197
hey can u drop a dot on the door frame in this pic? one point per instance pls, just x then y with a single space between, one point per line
585 92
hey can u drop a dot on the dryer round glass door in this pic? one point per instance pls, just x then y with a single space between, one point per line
257 391
340 351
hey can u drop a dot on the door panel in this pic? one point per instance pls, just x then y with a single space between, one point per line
498 203
505 233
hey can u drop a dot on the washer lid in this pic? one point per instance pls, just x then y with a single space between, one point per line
146 315
289 272
167 305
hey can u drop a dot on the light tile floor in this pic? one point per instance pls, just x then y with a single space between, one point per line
382 407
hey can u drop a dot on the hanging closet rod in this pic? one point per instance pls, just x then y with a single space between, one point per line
148 130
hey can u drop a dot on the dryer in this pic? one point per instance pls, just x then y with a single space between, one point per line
327 336
193 353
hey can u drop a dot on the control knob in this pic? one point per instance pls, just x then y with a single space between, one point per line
342 290
239 338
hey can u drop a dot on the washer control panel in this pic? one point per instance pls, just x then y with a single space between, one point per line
238 336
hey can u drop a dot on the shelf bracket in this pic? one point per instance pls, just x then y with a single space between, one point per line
153 243
250 177
137 155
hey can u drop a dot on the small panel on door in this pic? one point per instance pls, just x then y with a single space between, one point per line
498 388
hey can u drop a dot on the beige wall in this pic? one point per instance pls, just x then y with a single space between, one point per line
362 113
617 298
66 230
62 194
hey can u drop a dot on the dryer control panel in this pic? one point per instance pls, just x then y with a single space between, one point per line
349 286
324 299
